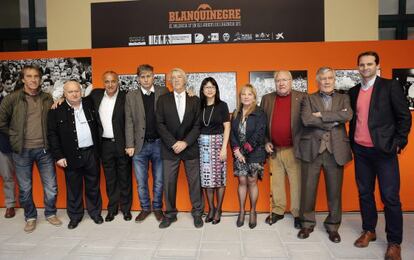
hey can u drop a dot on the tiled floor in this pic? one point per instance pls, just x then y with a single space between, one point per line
128 240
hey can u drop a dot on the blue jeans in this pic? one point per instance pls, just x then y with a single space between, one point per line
24 173
149 152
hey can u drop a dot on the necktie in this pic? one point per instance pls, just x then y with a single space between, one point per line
179 108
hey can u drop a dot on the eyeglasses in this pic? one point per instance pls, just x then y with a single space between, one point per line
282 80
209 87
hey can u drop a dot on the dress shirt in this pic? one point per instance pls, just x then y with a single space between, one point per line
369 83
146 92
83 132
180 103
106 110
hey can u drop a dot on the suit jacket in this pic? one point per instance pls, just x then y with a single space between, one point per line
135 117
389 119
268 104
332 121
171 130
254 147
118 117
62 132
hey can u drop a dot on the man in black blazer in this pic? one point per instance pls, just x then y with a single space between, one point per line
178 126
378 131
109 103
72 131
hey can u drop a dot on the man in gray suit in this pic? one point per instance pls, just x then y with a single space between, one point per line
324 143
143 141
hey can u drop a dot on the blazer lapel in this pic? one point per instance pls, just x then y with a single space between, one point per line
335 101
118 104
374 95
187 107
294 109
272 109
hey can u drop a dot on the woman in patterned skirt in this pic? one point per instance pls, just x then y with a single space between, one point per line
248 144
214 136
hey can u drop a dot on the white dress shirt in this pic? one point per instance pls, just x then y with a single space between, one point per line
106 110
180 103
145 92
83 132
369 84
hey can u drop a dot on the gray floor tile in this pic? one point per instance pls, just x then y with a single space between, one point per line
220 250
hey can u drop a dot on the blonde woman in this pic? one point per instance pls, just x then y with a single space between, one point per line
248 143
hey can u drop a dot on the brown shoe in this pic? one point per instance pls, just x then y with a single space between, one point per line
393 252
159 215
10 213
304 233
142 216
30 226
365 238
54 221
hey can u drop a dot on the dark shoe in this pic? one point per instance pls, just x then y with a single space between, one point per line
10 212
253 219
393 252
73 224
159 215
142 215
273 218
304 233
210 216
217 218
297 223
334 236
166 222
365 238
110 216
240 220
127 215
98 219
198 221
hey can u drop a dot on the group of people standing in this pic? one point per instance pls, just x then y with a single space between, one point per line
299 133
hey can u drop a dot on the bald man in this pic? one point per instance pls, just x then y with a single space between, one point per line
73 137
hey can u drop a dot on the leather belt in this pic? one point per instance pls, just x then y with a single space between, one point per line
108 139
82 149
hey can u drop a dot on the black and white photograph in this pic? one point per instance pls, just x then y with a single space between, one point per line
264 82
406 79
346 79
128 82
55 72
226 82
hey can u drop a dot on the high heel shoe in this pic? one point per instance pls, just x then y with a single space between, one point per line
217 220
253 219
210 216
240 220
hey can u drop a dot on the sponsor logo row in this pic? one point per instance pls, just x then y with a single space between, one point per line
166 39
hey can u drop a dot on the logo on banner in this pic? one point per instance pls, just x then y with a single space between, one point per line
279 36
165 39
238 37
198 38
213 37
137 41
204 17
263 36
226 37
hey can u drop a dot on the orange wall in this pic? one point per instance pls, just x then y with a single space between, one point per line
243 58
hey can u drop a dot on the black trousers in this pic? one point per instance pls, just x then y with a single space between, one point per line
192 171
87 173
118 176
370 164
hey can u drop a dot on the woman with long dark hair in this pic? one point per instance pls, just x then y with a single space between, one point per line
248 143
213 140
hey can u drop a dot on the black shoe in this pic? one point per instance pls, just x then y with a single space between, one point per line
210 216
240 220
198 221
304 233
334 236
166 222
142 215
253 219
98 219
297 224
217 218
127 215
73 224
110 216
273 218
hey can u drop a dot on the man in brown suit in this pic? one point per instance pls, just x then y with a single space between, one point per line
282 108
324 143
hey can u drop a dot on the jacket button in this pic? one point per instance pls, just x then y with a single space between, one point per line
80 157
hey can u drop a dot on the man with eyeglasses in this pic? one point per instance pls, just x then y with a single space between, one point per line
282 108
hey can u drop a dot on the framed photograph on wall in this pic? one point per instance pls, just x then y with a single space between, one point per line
225 80
128 82
55 73
406 78
264 82
346 79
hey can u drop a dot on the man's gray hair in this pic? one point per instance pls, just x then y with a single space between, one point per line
323 70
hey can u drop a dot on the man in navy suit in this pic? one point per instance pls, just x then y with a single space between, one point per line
378 132
178 126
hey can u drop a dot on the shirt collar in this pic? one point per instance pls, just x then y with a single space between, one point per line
368 84
144 91
80 106
182 94
114 96
323 94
